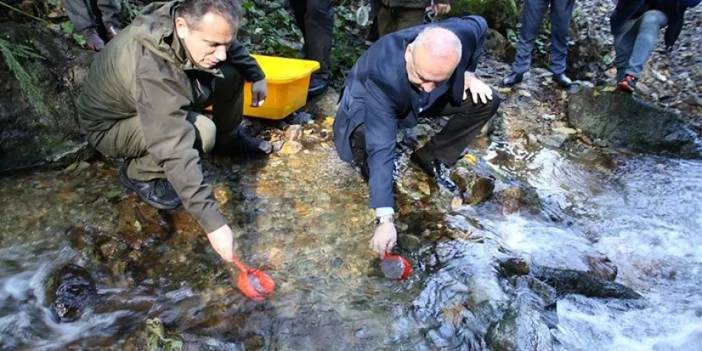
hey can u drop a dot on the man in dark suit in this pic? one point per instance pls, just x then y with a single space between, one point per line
425 70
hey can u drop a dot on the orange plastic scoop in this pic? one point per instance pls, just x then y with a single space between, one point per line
395 266
253 283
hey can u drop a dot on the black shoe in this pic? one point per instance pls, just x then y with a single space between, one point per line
436 169
252 144
512 79
239 143
158 193
562 80
318 86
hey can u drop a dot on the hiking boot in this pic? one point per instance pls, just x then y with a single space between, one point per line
93 40
628 84
111 31
435 169
158 193
512 79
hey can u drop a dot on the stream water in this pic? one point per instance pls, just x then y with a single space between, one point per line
304 218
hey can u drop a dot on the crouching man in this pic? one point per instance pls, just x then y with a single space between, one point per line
144 93
425 70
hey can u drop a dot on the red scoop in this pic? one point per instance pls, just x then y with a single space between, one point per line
253 283
395 266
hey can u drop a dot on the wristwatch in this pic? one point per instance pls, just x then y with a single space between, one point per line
384 219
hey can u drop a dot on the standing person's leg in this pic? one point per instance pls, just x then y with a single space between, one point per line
228 111
409 17
650 26
110 10
532 15
561 12
83 18
386 20
319 27
623 45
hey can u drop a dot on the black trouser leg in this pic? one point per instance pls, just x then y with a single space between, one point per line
316 21
464 124
358 148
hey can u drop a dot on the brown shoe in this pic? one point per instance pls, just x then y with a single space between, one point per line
111 31
93 40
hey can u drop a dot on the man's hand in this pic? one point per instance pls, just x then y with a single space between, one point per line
259 92
441 9
222 241
477 88
384 239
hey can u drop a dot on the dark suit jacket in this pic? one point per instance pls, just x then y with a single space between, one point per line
378 94
674 9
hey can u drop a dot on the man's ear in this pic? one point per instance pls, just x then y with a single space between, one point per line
181 28
408 51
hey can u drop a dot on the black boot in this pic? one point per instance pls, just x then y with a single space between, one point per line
512 79
435 169
318 85
562 80
158 193
239 143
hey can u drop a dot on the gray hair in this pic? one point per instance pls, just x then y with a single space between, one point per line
439 42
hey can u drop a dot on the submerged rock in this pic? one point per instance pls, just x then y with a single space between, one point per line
621 120
568 281
69 291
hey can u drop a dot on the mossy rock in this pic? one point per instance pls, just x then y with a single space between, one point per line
501 15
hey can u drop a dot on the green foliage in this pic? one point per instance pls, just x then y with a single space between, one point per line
348 43
68 30
270 28
129 11
12 53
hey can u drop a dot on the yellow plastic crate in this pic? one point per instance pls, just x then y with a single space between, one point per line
288 80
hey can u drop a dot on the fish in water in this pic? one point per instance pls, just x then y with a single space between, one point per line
70 290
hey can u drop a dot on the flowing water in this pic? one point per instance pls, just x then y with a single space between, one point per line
304 218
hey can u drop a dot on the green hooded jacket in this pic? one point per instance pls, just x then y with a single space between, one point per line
142 72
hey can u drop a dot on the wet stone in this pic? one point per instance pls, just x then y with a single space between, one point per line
480 190
294 133
290 148
514 266
139 224
69 291
602 267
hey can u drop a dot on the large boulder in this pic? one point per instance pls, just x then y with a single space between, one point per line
40 76
621 120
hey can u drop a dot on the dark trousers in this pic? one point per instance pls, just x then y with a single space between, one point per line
464 124
532 15
84 13
316 21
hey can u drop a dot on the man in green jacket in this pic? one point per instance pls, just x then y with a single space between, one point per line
142 98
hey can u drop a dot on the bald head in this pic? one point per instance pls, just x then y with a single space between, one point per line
432 57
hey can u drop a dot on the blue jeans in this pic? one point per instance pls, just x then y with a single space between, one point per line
532 15
635 42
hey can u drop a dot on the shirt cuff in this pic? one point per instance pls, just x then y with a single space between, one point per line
384 211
